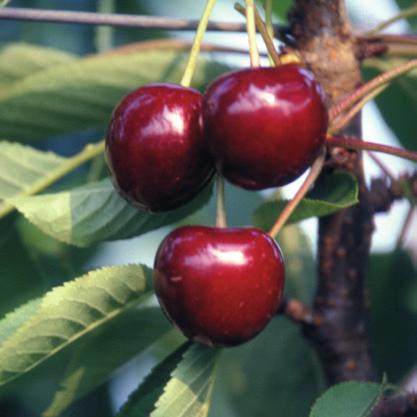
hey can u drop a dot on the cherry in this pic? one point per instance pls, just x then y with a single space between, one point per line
265 126
155 147
219 286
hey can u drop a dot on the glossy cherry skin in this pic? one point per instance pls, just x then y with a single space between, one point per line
155 147
265 126
219 286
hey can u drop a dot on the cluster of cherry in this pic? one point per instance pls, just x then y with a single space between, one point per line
259 128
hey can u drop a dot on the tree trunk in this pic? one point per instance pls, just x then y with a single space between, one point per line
323 34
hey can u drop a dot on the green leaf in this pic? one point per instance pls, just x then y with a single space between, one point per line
397 103
19 60
142 401
3 2
70 312
26 171
21 280
94 213
329 195
348 399
94 362
393 297
280 8
13 320
186 393
81 94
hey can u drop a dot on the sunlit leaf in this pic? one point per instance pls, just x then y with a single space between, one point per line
186 392
19 60
82 93
94 213
101 354
26 171
68 313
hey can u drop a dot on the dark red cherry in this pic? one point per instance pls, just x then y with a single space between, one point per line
219 286
265 126
155 147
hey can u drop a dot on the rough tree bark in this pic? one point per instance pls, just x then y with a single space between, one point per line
323 34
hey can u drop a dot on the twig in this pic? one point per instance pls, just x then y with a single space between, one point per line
351 142
170 44
383 191
411 11
123 20
398 406
382 166
299 312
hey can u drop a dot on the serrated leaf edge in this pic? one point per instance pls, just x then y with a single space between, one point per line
370 407
78 335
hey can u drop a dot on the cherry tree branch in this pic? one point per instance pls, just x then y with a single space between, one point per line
299 312
385 191
124 20
397 406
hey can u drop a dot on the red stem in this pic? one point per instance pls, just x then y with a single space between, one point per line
369 87
351 142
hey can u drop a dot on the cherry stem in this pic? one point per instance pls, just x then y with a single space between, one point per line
269 26
344 119
352 142
195 50
410 11
299 195
251 30
260 25
370 86
221 208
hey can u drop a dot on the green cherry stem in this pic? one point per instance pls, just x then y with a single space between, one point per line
195 50
260 25
268 17
388 76
269 26
221 208
410 11
299 195
351 142
251 29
